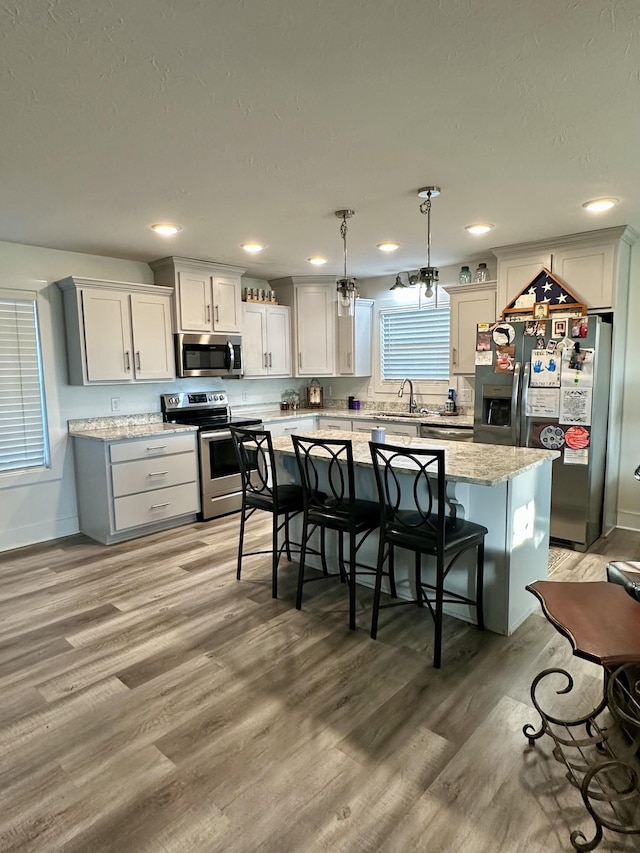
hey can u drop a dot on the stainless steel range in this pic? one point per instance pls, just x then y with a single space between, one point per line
220 481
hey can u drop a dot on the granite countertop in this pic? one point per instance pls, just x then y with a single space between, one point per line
466 462
125 431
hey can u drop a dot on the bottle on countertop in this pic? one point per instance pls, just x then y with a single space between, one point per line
482 273
464 276
451 402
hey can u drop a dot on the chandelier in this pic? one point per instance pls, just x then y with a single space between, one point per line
428 275
346 287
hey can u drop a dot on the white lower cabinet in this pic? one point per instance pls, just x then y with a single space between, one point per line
132 487
284 426
391 428
363 425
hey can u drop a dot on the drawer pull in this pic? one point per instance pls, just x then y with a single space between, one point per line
159 506
157 447
157 473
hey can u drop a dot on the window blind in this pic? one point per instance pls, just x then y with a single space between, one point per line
23 432
414 343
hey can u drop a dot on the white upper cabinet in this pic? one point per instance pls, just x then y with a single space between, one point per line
470 304
594 265
313 304
516 272
117 332
354 340
208 298
266 340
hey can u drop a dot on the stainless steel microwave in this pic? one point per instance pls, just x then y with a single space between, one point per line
208 355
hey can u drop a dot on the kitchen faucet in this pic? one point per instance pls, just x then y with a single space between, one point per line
412 401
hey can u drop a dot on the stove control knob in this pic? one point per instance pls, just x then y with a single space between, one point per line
216 397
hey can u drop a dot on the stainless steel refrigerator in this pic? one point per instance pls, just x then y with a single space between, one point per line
545 383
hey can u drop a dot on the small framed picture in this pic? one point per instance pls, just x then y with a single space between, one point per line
559 328
541 311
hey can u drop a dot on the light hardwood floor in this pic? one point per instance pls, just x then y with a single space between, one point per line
150 702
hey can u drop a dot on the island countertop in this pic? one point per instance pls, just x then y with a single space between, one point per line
466 462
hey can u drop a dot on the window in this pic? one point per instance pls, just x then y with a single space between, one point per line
23 426
414 342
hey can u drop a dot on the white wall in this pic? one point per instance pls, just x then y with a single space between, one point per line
37 506
629 487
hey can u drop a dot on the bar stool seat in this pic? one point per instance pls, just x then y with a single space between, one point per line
261 491
328 487
411 489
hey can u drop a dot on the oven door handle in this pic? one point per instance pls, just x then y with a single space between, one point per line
219 435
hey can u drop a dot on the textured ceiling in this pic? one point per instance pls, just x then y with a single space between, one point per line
256 119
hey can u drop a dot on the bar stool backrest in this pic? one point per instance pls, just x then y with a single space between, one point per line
326 473
254 450
411 488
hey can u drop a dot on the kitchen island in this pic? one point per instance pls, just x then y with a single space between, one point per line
507 489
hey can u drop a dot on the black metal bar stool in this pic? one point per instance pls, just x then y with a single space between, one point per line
260 490
330 502
411 488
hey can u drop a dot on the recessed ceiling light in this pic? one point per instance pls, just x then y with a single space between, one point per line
252 248
388 246
479 227
597 205
167 229
317 261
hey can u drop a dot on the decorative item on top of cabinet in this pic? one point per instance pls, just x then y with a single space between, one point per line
266 339
595 264
313 302
117 332
208 295
354 340
470 304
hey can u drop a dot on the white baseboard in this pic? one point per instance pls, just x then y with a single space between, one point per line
628 520
36 532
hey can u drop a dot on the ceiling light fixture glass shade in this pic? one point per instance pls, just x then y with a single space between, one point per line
598 205
166 229
252 247
388 246
317 261
479 228
428 275
346 287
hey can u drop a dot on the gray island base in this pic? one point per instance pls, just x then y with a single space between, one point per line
507 489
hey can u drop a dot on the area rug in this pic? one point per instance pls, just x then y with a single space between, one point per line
557 557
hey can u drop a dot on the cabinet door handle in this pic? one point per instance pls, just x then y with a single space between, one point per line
300 361
266 361
138 365
270 361
455 356
159 506
217 314
157 473
208 313
127 361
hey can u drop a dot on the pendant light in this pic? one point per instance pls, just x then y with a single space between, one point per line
347 291
428 275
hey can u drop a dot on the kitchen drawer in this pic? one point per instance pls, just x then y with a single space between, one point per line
151 507
144 475
159 445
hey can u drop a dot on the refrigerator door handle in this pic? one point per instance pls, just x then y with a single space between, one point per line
515 405
524 419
